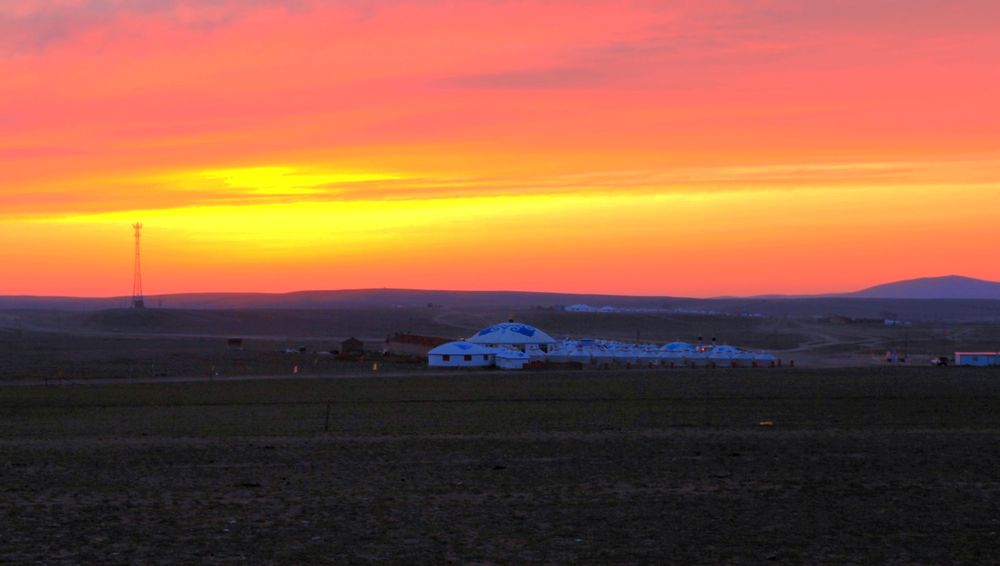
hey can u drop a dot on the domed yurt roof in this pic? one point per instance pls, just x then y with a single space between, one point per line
511 354
460 348
511 333
678 347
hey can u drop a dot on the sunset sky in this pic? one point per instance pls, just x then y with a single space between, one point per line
692 148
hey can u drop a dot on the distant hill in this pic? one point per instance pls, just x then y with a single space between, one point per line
949 287
346 298
943 298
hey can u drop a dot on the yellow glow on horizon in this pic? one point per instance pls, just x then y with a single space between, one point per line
594 219
334 227
532 241
278 180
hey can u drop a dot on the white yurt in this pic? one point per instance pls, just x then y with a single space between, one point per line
765 359
743 358
535 351
624 354
697 358
536 354
723 356
583 353
559 352
513 334
647 356
511 359
676 354
603 356
558 355
461 354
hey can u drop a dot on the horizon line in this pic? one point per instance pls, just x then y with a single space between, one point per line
762 296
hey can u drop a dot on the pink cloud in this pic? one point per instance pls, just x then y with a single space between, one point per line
103 88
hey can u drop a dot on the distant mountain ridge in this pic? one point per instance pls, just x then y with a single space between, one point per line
947 287
952 287
343 298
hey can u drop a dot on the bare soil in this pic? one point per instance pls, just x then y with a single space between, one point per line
859 466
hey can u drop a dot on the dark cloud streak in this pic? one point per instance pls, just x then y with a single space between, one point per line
33 31
550 78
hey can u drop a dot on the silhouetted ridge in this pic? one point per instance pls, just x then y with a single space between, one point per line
949 287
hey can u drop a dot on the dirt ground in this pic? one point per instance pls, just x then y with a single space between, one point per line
860 466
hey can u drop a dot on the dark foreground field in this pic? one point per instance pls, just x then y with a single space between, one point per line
861 466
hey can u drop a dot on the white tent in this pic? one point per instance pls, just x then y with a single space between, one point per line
742 358
515 334
583 352
511 359
675 354
603 357
536 354
696 358
764 359
461 354
623 354
557 354
647 356
725 356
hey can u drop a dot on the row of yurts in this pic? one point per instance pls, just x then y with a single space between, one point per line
512 345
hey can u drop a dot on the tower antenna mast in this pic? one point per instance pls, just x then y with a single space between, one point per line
138 301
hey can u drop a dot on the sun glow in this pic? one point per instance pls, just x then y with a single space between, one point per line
276 180
657 148
444 242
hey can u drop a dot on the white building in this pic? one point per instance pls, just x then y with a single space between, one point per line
461 354
980 359
523 337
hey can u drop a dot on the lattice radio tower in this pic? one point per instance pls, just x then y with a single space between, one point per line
138 302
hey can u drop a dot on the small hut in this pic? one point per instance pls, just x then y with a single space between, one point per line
352 348
401 344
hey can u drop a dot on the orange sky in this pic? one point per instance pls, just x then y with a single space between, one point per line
678 148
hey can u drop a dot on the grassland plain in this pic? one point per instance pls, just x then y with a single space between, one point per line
40 345
861 466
